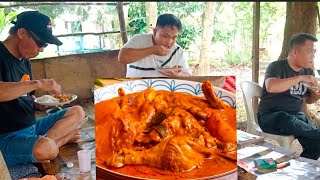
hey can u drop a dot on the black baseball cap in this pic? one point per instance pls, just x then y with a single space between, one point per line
39 24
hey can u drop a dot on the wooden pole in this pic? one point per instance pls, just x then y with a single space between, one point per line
255 42
123 30
255 47
318 15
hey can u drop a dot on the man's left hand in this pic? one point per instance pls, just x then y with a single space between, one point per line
314 95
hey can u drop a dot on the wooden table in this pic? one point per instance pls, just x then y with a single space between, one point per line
300 168
68 152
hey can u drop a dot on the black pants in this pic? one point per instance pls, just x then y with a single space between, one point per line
297 124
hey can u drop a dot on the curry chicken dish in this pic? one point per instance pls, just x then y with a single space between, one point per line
163 134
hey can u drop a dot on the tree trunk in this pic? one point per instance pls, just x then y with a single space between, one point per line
152 14
207 35
301 17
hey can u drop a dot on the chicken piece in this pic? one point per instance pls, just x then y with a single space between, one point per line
177 122
118 130
123 99
203 113
220 128
147 112
207 89
159 103
179 153
121 92
147 95
123 132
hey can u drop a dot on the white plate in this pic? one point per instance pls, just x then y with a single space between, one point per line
74 97
167 69
173 85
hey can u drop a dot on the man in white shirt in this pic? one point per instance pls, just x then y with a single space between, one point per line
146 54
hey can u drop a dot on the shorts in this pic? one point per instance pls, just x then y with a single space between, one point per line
17 146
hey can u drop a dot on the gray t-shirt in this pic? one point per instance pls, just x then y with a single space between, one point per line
290 100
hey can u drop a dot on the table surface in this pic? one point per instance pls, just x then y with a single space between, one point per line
299 168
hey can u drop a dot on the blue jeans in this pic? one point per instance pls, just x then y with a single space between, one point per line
17 146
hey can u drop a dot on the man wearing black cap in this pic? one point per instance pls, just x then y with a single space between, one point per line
23 139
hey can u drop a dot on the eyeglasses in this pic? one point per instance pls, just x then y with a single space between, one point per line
39 42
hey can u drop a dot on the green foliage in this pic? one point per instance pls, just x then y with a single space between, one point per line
53 11
240 58
180 9
76 27
222 31
183 10
270 13
187 35
137 18
5 19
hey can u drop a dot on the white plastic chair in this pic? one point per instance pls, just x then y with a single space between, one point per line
250 90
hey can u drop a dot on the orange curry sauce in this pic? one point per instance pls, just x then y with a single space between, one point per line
106 123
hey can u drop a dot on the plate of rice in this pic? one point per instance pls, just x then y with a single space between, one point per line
49 100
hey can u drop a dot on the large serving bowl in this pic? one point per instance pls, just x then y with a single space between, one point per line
174 85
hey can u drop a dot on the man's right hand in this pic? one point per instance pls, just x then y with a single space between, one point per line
51 86
160 50
309 79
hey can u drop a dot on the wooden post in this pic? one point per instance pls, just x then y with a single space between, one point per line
123 30
255 47
255 42
318 15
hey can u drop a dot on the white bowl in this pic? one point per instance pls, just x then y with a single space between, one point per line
173 85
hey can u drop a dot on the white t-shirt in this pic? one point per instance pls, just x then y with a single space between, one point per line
140 41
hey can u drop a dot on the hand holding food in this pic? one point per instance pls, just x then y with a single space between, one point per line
161 50
50 85
309 79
